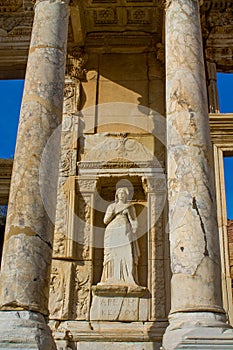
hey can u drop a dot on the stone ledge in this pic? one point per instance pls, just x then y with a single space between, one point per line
118 290
97 331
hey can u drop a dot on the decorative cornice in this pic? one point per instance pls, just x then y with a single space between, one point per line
117 164
221 128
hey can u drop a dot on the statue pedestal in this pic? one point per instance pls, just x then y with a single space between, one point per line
119 303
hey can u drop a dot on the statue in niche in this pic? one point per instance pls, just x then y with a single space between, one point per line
121 250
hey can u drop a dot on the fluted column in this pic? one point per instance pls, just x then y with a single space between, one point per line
27 251
194 246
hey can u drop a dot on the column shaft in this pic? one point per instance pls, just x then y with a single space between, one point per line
192 208
197 319
27 252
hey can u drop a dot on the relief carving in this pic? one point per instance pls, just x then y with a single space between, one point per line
66 162
139 16
119 147
117 164
215 5
75 74
72 94
76 61
84 227
81 299
222 19
69 140
60 286
105 16
87 185
16 17
222 55
59 244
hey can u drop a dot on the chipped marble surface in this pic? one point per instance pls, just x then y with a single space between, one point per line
196 305
193 220
29 232
29 330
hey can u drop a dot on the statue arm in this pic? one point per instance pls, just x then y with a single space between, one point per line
110 214
133 218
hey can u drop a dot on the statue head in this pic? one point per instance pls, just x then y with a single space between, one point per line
122 193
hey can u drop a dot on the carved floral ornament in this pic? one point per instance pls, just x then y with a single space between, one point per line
72 95
76 61
89 185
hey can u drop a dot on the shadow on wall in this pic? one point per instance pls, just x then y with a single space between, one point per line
137 79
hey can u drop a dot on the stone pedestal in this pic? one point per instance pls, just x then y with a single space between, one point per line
119 303
197 318
27 253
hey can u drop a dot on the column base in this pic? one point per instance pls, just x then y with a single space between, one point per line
198 330
24 330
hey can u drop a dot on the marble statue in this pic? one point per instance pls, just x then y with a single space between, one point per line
121 251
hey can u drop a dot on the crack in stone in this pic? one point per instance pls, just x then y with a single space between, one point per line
206 252
121 307
43 240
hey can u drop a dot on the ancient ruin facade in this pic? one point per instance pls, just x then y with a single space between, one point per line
116 231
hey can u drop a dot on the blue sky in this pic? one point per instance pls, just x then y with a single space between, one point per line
225 88
10 99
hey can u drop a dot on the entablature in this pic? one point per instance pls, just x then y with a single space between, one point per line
217 29
112 26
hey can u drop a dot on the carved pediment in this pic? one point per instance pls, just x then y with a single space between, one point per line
119 147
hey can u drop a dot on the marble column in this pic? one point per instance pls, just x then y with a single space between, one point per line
197 319
27 254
